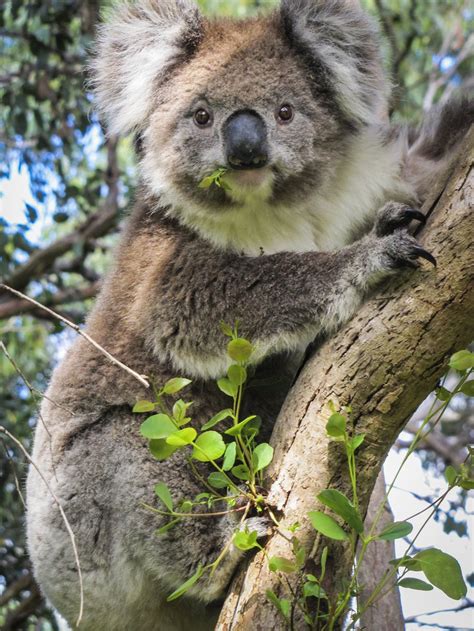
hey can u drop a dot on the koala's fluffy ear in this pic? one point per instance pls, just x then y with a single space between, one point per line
140 42
343 39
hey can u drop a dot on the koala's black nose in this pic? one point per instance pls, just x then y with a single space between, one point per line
245 139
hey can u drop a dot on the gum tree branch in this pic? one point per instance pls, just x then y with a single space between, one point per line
95 226
383 364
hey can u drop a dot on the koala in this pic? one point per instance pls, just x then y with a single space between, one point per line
320 192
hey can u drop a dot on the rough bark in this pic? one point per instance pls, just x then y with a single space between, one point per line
383 364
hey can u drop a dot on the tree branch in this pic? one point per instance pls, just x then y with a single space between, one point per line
95 226
19 306
382 364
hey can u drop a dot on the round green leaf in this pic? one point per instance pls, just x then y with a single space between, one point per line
468 388
182 437
262 456
239 349
462 360
218 480
227 387
208 446
245 540
280 564
237 375
327 526
157 426
241 472
160 449
336 425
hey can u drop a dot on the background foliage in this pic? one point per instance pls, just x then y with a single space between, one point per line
77 186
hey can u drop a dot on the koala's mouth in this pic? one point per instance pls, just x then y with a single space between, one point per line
249 178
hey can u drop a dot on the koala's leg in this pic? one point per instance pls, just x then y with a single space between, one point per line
103 479
282 300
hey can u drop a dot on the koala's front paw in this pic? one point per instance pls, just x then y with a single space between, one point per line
394 216
262 525
400 249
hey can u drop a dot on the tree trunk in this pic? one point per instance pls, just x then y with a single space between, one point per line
389 607
382 364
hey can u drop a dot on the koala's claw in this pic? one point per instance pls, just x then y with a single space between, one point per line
411 214
394 216
421 253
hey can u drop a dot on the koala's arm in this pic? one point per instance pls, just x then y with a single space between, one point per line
281 301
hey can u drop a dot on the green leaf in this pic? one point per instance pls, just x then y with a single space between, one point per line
282 604
313 589
443 394
324 558
327 526
245 540
239 350
336 425
206 182
236 430
209 446
396 530
462 360
227 387
163 492
280 564
217 418
252 427
187 584
167 526
241 472
157 426
218 480
443 571
468 388
408 562
415 583
237 375
450 474
229 458
160 449
175 385
143 406
226 329
262 456
179 411
339 503
182 437
356 441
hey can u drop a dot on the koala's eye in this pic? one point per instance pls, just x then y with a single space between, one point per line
285 114
202 118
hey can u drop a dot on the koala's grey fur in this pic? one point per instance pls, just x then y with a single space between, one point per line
278 253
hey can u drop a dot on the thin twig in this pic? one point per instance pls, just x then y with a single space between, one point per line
143 379
63 515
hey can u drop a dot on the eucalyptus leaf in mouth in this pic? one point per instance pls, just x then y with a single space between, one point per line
216 179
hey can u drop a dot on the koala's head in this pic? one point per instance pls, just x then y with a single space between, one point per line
274 100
